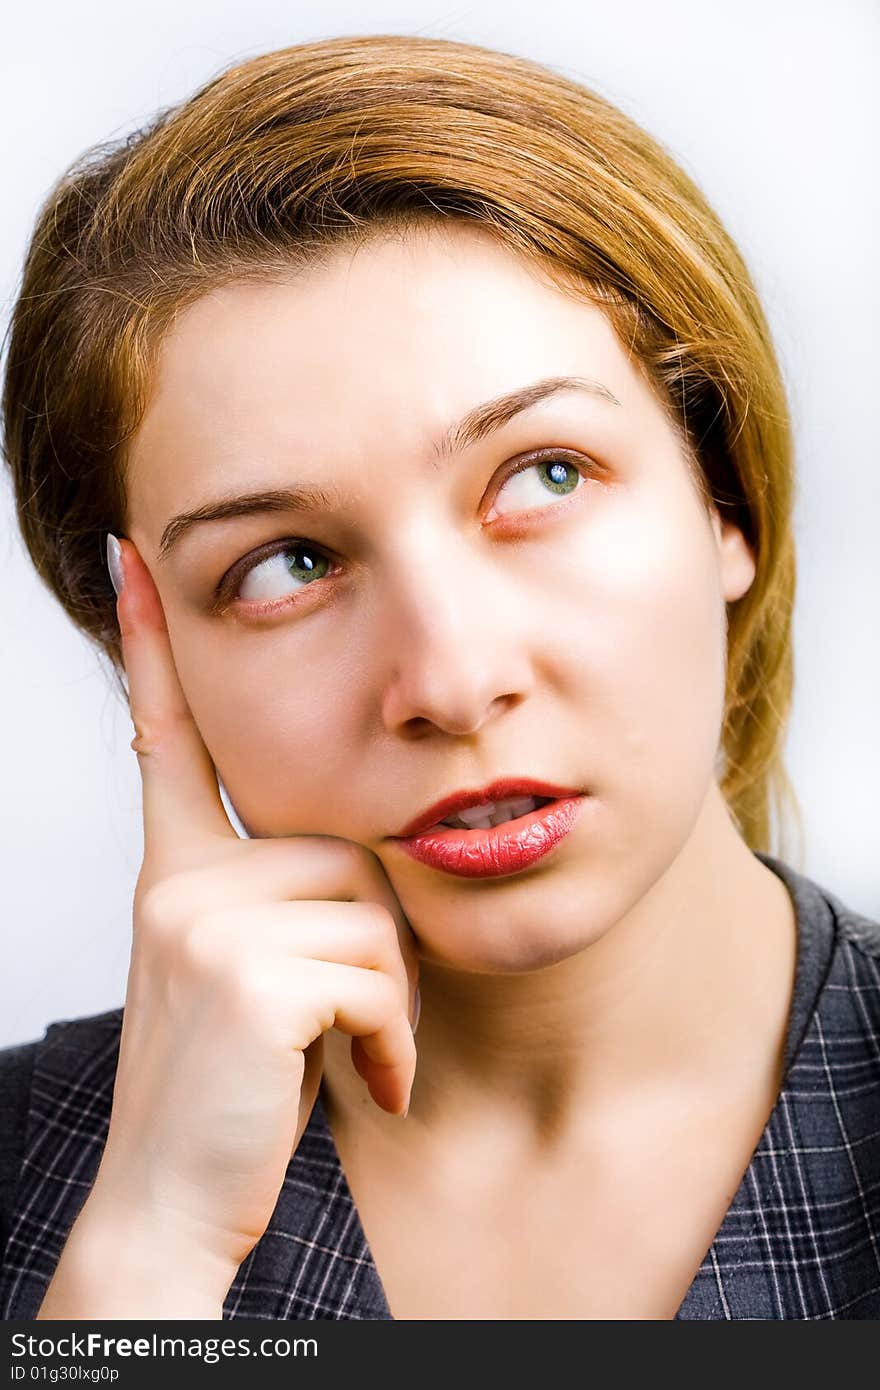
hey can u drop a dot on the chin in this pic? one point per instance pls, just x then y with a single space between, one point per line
507 948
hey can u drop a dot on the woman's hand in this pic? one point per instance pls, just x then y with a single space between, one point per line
244 953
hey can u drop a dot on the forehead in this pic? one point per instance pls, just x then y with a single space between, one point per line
379 346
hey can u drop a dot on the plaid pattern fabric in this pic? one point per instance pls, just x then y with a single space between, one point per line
801 1238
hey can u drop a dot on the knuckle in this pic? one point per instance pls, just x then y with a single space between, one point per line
376 934
146 736
252 992
159 907
168 910
379 921
389 994
152 734
198 950
348 857
249 992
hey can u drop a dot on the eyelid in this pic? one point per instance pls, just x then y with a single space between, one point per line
225 596
525 461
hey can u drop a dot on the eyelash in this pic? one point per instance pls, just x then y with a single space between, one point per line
228 587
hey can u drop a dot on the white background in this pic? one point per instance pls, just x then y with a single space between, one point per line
771 107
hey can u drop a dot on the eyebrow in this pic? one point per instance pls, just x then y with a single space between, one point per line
480 422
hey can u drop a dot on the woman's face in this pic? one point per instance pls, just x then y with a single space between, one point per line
435 619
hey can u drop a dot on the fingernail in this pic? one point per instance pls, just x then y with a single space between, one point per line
114 563
417 1009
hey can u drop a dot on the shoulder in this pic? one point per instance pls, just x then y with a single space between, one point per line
855 966
16 1068
861 934
70 1051
846 942
16 1072
849 1016
832 1060
836 1062
71 1062
74 1042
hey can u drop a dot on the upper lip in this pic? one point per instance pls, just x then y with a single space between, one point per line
501 790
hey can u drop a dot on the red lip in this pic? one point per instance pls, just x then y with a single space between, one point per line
500 790
501 849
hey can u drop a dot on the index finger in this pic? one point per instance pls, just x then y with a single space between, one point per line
181 798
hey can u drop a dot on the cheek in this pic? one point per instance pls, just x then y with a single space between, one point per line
650 656
262 718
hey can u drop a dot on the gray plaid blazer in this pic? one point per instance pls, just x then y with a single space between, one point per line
801 1238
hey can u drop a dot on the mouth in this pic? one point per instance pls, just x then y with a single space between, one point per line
505 839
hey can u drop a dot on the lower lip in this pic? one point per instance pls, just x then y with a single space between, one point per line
499 849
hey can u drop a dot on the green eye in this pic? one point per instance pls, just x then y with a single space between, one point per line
542 481
268 579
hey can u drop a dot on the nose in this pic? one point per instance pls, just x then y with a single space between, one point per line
455 652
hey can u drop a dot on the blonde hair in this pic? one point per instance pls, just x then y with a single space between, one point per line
279 160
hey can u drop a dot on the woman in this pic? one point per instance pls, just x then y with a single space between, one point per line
446 467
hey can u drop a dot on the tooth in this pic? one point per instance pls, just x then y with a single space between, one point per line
477 815
505 812
492 813
513 808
